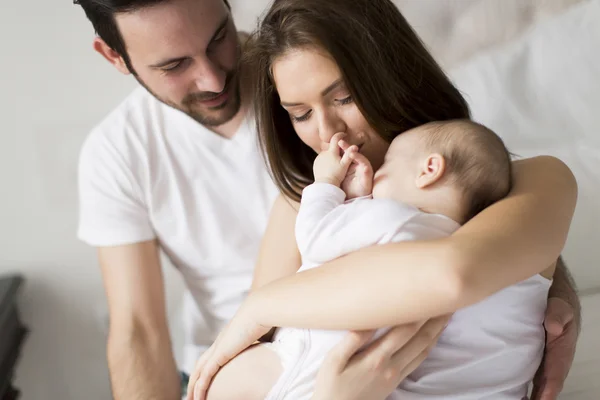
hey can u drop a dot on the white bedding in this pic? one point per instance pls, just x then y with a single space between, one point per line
541 93
456 30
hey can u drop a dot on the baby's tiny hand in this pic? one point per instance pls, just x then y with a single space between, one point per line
359 178
331 165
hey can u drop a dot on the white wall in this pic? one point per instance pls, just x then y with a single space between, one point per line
54 88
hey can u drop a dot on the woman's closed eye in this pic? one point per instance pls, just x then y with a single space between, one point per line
345 100
306 116
302 117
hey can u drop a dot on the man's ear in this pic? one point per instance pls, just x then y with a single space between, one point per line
112 56
431 170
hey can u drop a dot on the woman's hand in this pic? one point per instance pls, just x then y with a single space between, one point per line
237 336
374 373
561 338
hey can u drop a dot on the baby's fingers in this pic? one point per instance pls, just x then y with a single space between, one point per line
360 160
344 145
334 142
348 157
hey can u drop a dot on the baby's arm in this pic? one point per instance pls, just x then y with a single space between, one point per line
317 218
249 376
345 228
279 256
321 227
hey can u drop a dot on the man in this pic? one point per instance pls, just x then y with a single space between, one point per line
176 167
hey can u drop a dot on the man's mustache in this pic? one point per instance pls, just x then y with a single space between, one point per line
204 96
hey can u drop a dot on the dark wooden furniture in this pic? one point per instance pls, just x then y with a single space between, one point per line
12 334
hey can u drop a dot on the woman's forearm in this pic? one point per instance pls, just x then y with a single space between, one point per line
521 235
510 241
372 288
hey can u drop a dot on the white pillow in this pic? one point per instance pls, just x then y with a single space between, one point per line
457 30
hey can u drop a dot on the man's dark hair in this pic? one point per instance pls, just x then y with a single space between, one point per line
101 14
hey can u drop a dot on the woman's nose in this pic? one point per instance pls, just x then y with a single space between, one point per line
329 125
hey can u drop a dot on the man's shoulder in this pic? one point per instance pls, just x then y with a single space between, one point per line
133 114
133 123
124 132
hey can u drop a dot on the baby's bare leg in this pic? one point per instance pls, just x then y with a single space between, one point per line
249 376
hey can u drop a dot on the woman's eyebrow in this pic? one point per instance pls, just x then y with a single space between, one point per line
325 92
283 103
331 87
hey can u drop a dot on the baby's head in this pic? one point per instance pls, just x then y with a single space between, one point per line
456 168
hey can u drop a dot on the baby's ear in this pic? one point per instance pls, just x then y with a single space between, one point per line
431 170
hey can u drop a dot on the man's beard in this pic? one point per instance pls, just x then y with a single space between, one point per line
210 117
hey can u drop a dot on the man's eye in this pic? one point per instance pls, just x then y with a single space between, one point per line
172 67
220 36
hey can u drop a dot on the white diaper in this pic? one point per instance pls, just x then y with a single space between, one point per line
301 357
302 352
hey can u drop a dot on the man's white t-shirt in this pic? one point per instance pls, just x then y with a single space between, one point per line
149 171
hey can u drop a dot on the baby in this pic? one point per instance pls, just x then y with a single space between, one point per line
434 178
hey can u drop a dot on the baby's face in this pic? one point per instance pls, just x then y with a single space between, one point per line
396 179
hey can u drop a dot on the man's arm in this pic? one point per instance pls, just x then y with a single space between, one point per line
562 324
563 287
140 359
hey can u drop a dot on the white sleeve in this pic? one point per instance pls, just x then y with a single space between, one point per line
318 201
111 206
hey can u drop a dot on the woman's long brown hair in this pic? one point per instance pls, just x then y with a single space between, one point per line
395 82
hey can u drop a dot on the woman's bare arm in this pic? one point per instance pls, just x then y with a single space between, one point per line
279 256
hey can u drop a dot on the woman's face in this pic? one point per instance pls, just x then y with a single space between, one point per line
312 91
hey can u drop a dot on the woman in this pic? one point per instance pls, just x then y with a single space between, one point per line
356 66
